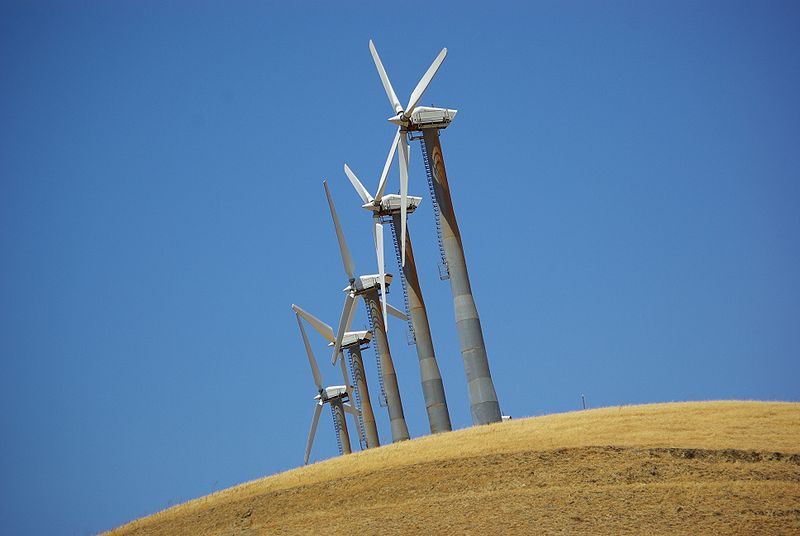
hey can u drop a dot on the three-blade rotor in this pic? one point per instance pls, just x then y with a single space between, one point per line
326 331
404 114
377 230
348 309
403 118
363 193
374 203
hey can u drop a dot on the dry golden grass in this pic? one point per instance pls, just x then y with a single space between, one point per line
682 468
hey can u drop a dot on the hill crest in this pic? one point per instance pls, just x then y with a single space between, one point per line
712 465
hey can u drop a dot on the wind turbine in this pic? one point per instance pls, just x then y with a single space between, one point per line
366 287
336 396
483 398
388 206
402 119
352 342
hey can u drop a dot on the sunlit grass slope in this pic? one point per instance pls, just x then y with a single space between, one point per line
682 468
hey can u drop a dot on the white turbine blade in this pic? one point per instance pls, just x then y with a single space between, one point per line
349 301
423 83
324 329
352 313
403 195
394 311
351 409
344 376
311 359
378 234
346 379
347 260
385 79
344 371
362 192
386 166
313 431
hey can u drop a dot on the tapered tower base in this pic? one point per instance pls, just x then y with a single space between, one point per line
431 378
397 419
341 425
367 415
483 399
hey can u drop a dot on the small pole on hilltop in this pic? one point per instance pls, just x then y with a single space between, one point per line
583 400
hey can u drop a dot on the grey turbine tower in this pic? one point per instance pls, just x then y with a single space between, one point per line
336 396
366 287
484 405
353 341
388 206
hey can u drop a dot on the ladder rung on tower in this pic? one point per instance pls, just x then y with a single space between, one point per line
357 401
444 272
336 425
382 397
412 339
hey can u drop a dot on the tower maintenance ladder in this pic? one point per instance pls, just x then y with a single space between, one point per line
336 427
382 397
444 271
357 392
411 338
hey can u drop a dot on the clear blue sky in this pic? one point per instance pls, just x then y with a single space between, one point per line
626 176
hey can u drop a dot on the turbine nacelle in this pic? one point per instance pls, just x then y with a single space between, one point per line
391 203
424 117
334 391
364 283
355 338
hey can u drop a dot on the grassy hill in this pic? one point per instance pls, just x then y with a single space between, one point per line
682 468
